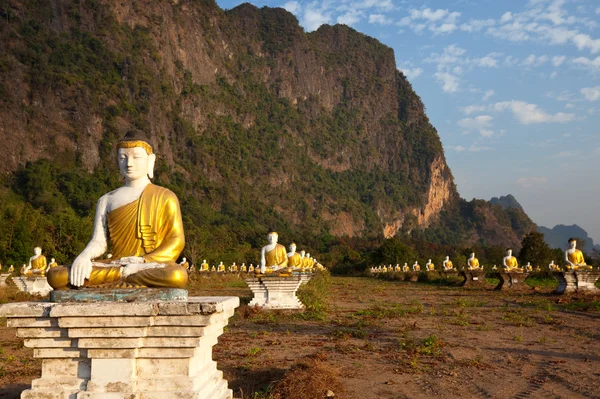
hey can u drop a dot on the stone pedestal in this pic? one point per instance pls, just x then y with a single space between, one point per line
305 278
3 278
512 281
581 282
121 350
32 285
449 273
411 276
473 278
275 292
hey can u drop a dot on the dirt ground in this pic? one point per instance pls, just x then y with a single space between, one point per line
395 339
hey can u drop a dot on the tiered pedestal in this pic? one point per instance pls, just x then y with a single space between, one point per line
581 282
3 278
512 281
411 276
305 278
116 350
473 278
32 285
275 292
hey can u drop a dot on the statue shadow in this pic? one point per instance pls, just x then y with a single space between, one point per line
244 381
13 391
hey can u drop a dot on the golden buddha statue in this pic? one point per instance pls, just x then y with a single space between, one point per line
510 263
574 257
385 269
143 223
185 263
553 267
294 258
405 267
213 268
416 267
473 262
429 266
397 268
447 264
204 266
233 268
51 265
251 268
528 267
243 268
11 269
37 264
273 256
538 269
221 268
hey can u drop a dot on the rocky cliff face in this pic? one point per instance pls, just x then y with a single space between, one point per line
257 124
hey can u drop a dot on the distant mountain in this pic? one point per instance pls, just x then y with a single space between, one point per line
507 202
558 237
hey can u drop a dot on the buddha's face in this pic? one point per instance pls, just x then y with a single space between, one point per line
572 244
472 255
272 238
293 247
447 258
52 260
509 252
135 163
303 253
37 251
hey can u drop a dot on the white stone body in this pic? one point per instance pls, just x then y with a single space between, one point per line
275 292
32 285
118 350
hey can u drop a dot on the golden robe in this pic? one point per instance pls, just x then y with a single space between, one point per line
204 267
431 267
276 257
38 266
512 262
295 260
576 258
449 265
149 227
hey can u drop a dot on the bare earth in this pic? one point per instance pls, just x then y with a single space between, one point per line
396 340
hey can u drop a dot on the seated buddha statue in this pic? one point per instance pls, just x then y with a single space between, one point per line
416 267
273 255
221 267
405 267
251 268
294 258
213 268
553 267
510 263
204 266
447 264
385 269
538 269
233 268
11 269
397 268
429 266
142 222
494 268
37 264
473 262
574 257
243 268
185 263
51 264
528 267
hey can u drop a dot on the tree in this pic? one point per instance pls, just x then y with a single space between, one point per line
535 250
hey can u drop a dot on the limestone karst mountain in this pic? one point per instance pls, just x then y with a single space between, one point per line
257 125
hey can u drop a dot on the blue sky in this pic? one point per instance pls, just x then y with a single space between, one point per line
511 86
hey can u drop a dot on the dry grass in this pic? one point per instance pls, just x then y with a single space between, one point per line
311 378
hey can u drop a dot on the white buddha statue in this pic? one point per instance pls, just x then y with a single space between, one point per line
221 268
397 268
294 258
37 264
243 268
273 255
473 262
405 267
184 263
142 222
251 268
494 268
416 267
510 263
204 266
574 257
553 267
447 264
429 266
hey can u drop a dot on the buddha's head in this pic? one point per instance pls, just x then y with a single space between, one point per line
508 252
572 243
447 258
37 251
135 156
472 255
52 260
303 253
203 260
428 260
272 237
308 255
183 260
292 247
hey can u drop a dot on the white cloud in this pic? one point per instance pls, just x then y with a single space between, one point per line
473 109
350 18
480 124
528 114
292 6
558 60
471 148
566 154
476 25
593 64
584 41
457 148
507 16
569 106
411 73
429 14
488 94
450 83
379 19
439 21
533 61
591 93
315 17
526 182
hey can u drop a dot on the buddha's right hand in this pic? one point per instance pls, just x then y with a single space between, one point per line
80 270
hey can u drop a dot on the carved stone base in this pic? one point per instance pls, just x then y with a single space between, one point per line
32 285
3 278
512 281
473 278
581 282
124 350
120 295
275 292
305 278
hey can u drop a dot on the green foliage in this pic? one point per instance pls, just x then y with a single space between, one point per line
534 250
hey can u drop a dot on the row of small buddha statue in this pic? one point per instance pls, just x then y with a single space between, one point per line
37 266
429 266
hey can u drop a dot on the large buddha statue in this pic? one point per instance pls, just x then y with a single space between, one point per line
294 258
574 257
447 264
143 224
273 255
37 264
473 262
510 263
